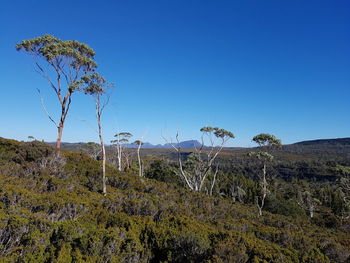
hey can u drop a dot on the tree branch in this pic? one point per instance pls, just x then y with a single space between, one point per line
47 113
43 74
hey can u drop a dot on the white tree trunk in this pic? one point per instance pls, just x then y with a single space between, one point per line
98 116
119 156
264 192
214 180
139 160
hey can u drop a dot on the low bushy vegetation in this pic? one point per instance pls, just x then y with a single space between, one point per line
52 210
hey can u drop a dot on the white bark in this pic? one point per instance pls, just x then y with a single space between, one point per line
139 160
121 138
214 180
196 178
264 192
119 155
99 111
307 202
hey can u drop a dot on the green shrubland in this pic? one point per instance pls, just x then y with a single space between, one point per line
52 210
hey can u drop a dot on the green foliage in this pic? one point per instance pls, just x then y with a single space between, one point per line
343 170
142 220
95 84
219 133
73 65
121 137
284 207
263 156
53 49
161 171
267 140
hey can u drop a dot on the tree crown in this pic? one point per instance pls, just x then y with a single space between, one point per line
267 140
138 142
219 133
262 156
69 58
92 144
94 84
122 137
123 134
51 48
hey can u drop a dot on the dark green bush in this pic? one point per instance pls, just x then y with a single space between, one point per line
284 207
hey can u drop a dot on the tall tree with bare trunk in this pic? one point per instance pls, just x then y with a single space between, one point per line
266 143
62 64
139 144
95 86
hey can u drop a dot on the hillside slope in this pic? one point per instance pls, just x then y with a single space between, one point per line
51 210
338 141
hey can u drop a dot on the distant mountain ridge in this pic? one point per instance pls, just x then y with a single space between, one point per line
338 141
184 144
195 143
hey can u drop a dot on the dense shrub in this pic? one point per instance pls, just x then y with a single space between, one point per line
161 171
284 207
60 216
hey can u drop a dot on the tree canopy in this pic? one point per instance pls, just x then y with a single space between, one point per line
267 140
61 54
219 133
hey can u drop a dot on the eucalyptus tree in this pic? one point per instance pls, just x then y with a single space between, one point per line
194 172
62 64
139 144
266 143
95 86
121 138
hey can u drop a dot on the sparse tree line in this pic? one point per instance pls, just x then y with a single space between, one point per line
69 67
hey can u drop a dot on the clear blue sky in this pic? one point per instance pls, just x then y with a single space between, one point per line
281 67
